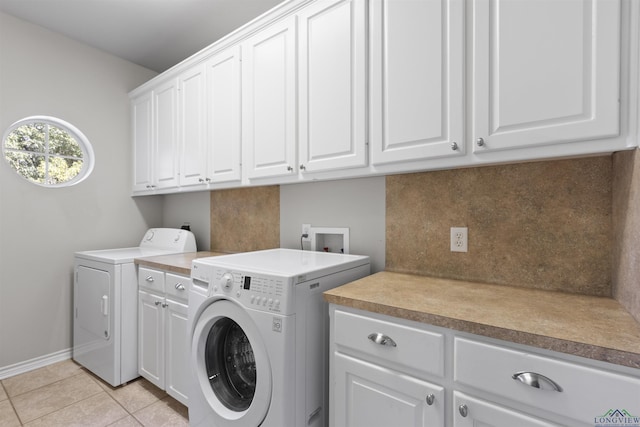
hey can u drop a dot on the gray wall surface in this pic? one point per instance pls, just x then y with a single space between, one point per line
44 73
358 204
193 208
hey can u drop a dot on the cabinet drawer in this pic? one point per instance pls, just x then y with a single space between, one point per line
177 286
151 279
586 392
414 348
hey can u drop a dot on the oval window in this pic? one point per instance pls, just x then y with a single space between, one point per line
47 151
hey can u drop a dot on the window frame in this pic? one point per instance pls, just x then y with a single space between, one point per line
88 158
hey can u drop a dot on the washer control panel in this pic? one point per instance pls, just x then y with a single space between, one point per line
258 291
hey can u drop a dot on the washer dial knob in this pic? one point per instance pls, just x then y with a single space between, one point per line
227 281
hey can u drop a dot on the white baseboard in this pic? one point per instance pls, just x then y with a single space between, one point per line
30 365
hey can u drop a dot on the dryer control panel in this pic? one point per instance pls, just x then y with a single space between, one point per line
258 291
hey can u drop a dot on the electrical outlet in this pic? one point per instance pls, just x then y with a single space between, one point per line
459 236
306 229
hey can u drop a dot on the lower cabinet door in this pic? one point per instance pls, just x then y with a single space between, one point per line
369 395
150 338
469 412
177 351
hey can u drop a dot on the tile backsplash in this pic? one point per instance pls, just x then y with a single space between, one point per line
544 225
245 219
626 230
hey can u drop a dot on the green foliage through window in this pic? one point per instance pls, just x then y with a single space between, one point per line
47 152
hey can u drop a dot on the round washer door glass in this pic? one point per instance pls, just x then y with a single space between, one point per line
230 364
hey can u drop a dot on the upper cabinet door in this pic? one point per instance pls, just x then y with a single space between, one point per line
332 85
166 134
142 120
417 79
224 116
269 101
544 72
192 126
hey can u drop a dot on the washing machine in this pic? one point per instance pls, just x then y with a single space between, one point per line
105 303
259 330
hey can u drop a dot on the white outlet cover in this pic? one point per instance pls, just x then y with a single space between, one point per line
459 239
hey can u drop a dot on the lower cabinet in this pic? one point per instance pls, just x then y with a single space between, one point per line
389 371
162 331
379 373
369 395
470 412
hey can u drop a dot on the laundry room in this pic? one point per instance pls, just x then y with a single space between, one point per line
557 217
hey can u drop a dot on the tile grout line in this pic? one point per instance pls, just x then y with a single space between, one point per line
103 388
11 403
75 374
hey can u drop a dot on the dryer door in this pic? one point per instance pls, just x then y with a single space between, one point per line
232 365
93 301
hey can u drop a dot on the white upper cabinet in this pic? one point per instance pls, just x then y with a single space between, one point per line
269 101
544 72
210 120
155 131
417 79
165 131
334 89
332 85
223 116
142 134
192 126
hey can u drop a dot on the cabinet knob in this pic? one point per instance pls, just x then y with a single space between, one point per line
179 286
382 339
303 167
200 180
464 411
480 142
157 303
149 279
165 305
454 146
535 380
289 168
430 399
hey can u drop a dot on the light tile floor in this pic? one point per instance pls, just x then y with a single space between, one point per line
65 394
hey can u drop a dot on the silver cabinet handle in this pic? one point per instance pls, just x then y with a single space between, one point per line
303 167
464 411
157 303
535 380
180 286
289 168
480 142
430 399
165 305
382 339
149 279
454 146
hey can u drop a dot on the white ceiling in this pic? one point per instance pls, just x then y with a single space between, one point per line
156 34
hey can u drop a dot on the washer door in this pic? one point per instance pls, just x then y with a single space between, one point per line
233 369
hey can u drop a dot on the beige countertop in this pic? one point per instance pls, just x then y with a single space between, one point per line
175 263
594 327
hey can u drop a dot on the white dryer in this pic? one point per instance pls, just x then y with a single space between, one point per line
259 336
105 303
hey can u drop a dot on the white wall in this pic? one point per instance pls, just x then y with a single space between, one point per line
44 73
356 203
193 208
